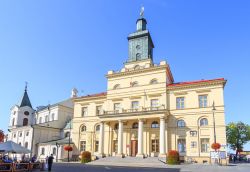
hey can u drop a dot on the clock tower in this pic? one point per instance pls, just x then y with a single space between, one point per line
140 42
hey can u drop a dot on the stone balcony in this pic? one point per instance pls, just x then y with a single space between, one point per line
135 111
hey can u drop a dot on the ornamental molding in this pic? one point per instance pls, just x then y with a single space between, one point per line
126 73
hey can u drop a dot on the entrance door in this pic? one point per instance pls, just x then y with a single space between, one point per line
134 147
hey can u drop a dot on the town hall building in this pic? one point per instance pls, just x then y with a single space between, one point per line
145 113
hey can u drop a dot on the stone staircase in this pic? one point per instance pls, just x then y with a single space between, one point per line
131 161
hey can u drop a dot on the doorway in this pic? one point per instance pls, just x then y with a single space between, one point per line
134 147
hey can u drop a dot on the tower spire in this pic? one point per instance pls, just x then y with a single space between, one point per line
25 101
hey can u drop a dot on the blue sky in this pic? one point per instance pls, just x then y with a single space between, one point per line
56 45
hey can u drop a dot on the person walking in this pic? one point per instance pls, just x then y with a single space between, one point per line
50 162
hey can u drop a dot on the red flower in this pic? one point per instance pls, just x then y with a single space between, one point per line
216 146
68 148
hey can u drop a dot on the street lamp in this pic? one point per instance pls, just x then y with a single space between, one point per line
57 147
69 121
214 109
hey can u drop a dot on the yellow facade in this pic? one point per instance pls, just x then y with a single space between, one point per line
144 92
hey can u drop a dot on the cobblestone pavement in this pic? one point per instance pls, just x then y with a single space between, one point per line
67 167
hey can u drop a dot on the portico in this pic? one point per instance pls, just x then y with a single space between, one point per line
136 136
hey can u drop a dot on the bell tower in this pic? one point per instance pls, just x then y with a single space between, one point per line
140 42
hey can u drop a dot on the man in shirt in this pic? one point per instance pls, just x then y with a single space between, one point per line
50 162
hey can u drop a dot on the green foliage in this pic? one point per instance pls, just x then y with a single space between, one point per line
173 158
238 134
86 157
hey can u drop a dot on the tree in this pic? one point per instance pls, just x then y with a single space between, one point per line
238 134
1 136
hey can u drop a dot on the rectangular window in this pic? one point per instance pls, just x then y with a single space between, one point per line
154 104
203 101
20 134
96 146
135 105
115 146
204 145
84 111
27 133
83 146
117 107
182 145
14 135
98 110
155 145
193 133
180 103
193 144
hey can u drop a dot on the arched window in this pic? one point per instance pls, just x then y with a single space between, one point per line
46 118
181 123
135 125
153 81
25 121
26 145
116 126
67 134
40 120
84 128
134 84
155 124
203 122
13 121
54 151
117 86
136 67
97 128
52 117
138 56
42 151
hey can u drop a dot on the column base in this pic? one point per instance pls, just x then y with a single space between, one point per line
162 155
120 155
101 155
140 155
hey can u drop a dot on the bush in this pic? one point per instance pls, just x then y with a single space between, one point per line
173 157
86 157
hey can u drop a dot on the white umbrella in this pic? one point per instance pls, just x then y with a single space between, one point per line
12 147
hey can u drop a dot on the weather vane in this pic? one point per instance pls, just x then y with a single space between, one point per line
26 85
142 11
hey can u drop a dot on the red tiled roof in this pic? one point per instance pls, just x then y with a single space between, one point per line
194 82
95 95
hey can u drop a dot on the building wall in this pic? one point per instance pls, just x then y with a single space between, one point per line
144 93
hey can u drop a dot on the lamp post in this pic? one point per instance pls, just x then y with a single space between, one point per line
57 147
69 135
214 109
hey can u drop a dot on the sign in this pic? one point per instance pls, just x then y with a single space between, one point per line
218 155
214 154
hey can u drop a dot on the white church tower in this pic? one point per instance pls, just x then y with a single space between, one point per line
21 121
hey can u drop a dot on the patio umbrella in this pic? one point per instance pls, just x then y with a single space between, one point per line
12 147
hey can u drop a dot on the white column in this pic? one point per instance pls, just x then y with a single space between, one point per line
101 139
140 139
120 139
162 137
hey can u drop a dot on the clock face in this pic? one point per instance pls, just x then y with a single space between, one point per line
26 113
138 47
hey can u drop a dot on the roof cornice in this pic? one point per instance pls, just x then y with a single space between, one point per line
220 81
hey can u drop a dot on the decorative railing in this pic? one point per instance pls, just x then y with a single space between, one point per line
134 110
